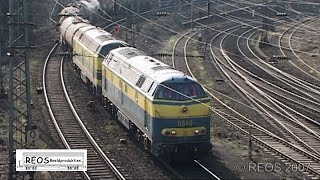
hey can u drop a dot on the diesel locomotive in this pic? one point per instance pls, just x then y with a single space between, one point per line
164 108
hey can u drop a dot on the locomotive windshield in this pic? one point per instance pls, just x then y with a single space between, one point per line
107 48
179 91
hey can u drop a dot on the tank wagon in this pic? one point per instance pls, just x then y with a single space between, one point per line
162 107
88 45
83 8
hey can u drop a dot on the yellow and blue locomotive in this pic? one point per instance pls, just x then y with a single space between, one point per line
166 109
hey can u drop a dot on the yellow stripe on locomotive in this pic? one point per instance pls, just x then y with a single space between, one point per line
182 109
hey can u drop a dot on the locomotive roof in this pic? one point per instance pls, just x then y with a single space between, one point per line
68 11
147 65
98 34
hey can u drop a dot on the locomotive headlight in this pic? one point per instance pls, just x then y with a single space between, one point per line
184 108
167 133
203 131
200 131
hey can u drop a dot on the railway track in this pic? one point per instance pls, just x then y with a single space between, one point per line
307 105
193 170
265 138
288 83
285 46
260 79
178 55
309 109
269 141
71 130
274 147
275 143
288 100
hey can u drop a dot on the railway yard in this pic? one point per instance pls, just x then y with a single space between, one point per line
257 60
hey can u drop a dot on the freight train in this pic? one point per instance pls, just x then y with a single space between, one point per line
162 107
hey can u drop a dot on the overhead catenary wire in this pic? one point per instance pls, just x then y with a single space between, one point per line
293 24
171 30
173 90
156 41
162 43
263 23
212 108
259 14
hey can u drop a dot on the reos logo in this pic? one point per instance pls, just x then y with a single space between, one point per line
36 160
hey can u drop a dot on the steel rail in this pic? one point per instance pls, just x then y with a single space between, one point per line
86 132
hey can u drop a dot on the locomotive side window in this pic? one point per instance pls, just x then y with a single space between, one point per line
81 36
141 81
107 48
99 74
109 58
179 91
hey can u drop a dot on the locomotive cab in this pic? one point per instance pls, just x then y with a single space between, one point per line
182 119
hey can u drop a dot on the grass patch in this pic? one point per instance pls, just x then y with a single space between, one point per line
168 47
111 127
198 65
169 43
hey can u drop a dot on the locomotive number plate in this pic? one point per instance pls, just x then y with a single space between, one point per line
184 123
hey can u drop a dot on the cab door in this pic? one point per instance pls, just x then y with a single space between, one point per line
121 92
146 116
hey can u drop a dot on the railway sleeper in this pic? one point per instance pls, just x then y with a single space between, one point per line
97 168
71 137
78 139
74 131
95 158
77 142
70 124
101 173
81 146
101 176
94 164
